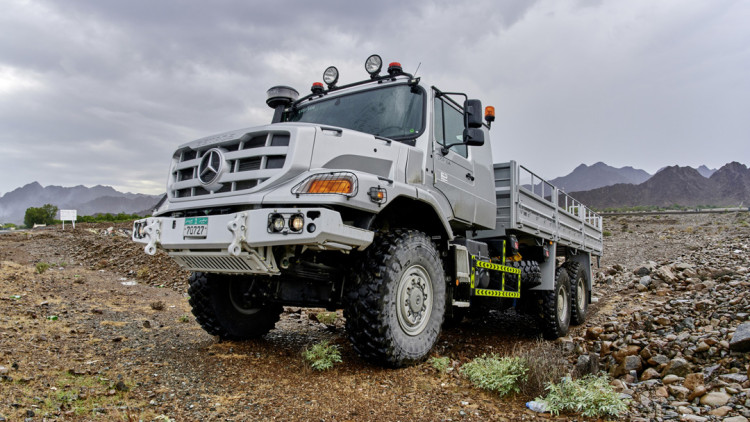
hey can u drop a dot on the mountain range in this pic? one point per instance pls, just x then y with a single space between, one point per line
599 186
597 175
87 201
686 186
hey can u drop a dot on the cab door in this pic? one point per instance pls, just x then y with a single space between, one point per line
454 171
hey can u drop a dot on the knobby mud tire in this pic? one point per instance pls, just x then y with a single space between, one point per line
531 274
218 305
383 330
579 292
554 307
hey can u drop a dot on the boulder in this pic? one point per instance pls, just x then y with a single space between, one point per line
699 391
715 399
666 274
692 381
677 366
679 392
741 339
650 373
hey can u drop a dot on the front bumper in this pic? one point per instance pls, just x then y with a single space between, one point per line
241 242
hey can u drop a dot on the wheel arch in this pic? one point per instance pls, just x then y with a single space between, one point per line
409 213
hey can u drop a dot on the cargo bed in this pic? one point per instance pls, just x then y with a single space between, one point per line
528 204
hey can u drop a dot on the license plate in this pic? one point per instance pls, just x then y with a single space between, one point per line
195 227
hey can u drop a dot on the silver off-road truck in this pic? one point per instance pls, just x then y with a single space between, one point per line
379 197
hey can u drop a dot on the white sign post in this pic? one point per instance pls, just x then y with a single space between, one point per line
69 215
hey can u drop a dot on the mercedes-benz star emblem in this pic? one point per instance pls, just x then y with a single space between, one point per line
210 166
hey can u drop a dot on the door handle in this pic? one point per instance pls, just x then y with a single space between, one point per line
469 176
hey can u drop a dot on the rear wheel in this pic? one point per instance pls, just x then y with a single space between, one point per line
554 307
396 305
579 292
531 274
231 307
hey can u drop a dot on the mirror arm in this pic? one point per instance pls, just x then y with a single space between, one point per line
447 148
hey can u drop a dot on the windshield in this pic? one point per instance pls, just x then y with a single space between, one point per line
390 112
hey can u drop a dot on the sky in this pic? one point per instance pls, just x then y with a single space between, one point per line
102 92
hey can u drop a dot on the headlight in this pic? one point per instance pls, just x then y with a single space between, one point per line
339 183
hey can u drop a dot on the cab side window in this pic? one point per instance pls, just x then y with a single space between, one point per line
449 126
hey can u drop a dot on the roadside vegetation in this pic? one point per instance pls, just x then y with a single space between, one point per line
652 208
540 372
322 356
45 215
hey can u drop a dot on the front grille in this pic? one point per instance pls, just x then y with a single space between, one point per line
248 160
219 262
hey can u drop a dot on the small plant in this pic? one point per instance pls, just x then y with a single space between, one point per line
41 267
546 365
327 318
590 396
142 272
503 375
606 233
440 363
184 318
322 356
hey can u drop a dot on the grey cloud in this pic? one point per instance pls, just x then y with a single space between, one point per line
113 87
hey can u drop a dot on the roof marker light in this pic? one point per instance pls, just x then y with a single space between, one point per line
317 88
395 68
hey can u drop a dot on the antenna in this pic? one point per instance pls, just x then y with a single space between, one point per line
415 72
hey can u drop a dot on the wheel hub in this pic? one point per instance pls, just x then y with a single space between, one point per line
414 300
562 304
243 298
581 293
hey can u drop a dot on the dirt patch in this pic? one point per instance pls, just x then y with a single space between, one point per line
83 341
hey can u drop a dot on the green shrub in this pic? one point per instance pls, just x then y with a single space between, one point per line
41 267
606 233
503 375
327 318
590 396
322 356
441 364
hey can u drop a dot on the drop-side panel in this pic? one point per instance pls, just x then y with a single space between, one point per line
530 204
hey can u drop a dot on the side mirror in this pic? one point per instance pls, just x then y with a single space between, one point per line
473 114
473 137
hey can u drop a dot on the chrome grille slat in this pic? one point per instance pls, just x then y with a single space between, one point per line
251 159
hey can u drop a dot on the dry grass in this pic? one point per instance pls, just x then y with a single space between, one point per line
546 363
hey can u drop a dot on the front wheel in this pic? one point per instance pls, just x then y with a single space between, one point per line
231 307
396 304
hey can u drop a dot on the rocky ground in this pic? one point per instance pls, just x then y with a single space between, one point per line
106 334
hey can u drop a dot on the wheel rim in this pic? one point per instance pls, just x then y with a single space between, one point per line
581 293
562 304
239 295
414 300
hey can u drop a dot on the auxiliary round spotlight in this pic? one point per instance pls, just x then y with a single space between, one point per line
277 223
297 223
331 76
373 64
